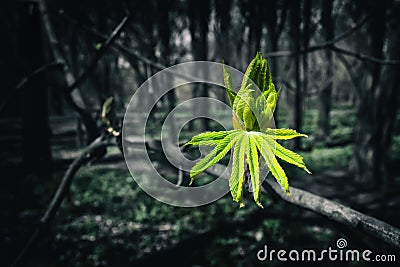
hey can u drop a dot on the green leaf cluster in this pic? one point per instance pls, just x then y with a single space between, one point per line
252 112
255 102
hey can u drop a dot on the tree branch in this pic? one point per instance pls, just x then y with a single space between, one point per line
364 57
62 189
73 98
21 84
328 208
352 74
325 45
99 54
331 209
340 213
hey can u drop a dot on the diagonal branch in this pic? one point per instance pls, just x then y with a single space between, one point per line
99 54
340 213
24 81
328 208
331 210
73 98
62 190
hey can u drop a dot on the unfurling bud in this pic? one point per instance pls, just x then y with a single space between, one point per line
253 108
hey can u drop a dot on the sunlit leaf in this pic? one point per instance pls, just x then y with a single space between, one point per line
272 163
222 148
252 136
207 136
283 134
236 182
286 154
252 159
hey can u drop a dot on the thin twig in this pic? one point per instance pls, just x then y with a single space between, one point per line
36 72
130 52
364 57
24 81
349 68
325 45
99 54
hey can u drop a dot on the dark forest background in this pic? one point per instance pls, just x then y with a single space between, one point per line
337 61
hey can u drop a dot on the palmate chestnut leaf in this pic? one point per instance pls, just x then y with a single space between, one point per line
252 137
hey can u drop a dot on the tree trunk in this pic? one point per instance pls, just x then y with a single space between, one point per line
307 5
74 99
297 118
378 103
36 130
325 94
275 28
199 19
224 46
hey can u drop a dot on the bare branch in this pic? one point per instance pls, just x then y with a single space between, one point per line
62 189
24 81
331 209
73 98
340 213
325 45
328 208
99 54
364 57
36 72
350 71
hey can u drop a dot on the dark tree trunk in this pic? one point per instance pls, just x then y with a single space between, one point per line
306 34
297 119
164 31
199 19
74 99
275 28
224 46
36 130
378 102
325 94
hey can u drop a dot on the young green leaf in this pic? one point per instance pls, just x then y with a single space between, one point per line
272 163
283 134
205 137
236 182
252 159
286 154
252 136
222 148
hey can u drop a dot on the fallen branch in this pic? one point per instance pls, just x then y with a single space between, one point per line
59 196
